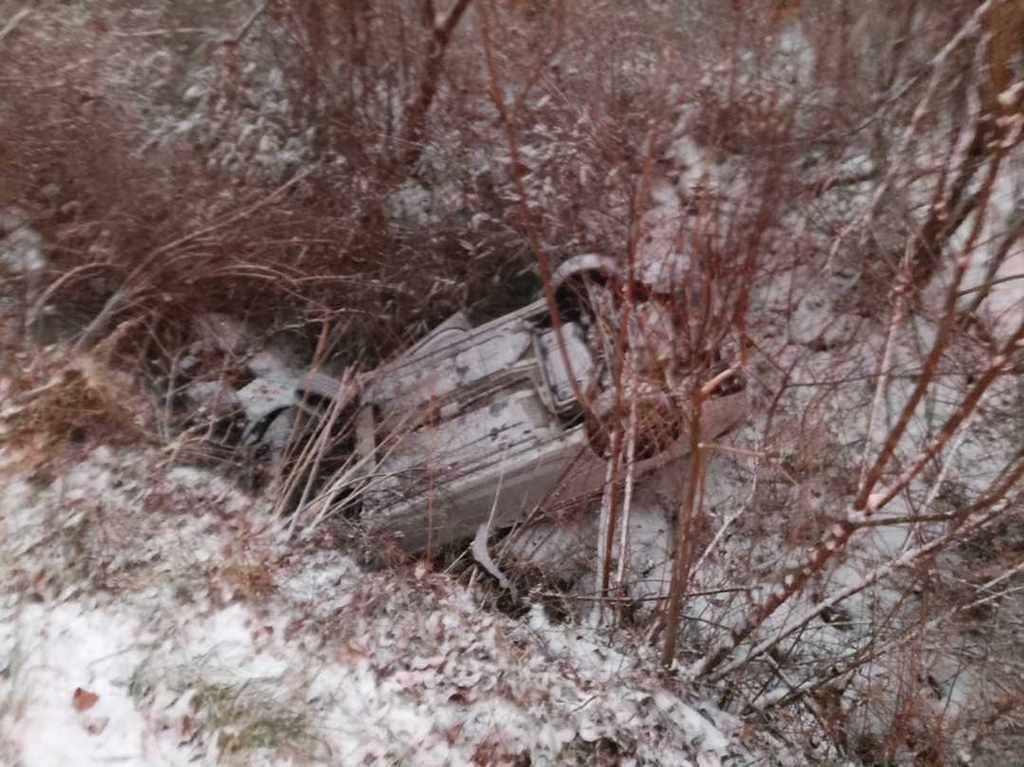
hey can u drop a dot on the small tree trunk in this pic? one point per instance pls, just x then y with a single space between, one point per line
439 34
684 534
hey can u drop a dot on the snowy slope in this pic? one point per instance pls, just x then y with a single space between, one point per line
207 641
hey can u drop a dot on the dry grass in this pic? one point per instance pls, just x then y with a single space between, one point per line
61 397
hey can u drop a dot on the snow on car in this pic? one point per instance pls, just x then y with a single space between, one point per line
480 425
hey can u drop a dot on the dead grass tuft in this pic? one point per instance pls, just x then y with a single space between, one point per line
63 398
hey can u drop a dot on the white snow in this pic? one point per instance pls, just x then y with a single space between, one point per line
20 245
210 642
51 651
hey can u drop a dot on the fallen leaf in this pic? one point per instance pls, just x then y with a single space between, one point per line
83 699
188 729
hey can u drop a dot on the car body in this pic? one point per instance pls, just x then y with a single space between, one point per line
481 425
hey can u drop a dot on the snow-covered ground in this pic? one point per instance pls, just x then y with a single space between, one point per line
148 617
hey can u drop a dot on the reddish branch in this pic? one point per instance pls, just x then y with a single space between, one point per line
682 556
532 230
439 34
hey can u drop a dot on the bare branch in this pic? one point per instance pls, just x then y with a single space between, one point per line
438 37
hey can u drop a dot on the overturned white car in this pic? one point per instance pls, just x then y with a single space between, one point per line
481 425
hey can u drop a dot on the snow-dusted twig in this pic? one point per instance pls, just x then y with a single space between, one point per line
622 358
903 153
861 656
604 542
865 499
969 404
720 534
901 562
1013 233
902 291
146 33
246 25
14 21
975 516
627 496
